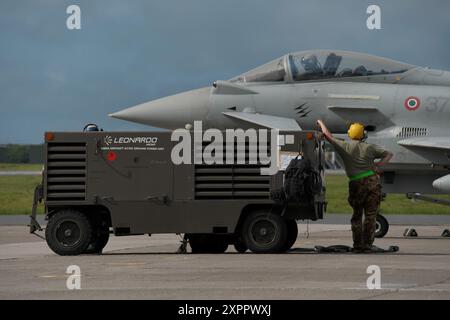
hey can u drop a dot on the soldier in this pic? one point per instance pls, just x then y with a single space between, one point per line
364 186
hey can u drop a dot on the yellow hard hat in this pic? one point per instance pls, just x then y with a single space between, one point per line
356 131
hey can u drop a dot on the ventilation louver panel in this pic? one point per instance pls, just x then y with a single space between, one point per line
232 181
408 132
66 171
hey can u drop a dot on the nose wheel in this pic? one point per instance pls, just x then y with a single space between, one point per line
382 226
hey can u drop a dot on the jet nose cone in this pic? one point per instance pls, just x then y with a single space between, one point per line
170 112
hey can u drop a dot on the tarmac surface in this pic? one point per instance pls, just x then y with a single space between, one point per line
142 267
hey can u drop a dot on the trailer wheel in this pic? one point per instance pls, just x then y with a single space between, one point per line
68 233
240 246
207 243
264 232
100 237
382 226
292 233
219 246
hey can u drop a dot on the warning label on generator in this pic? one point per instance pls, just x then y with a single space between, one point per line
132 148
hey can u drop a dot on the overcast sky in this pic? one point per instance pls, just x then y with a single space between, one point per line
129 52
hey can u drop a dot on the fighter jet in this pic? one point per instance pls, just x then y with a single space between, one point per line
405 108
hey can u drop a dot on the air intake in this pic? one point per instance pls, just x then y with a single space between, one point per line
66 171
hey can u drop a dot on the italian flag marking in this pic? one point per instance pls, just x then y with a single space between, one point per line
412 103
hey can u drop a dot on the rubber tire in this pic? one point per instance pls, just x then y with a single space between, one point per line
240 246
100 238
219 247
384 226
83 224
207 243
279 239
292 233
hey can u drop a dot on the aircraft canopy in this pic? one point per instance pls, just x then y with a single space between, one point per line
322 64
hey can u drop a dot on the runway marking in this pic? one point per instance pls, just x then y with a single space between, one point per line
53 276
392 287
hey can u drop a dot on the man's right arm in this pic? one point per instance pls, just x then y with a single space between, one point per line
337 143
325 131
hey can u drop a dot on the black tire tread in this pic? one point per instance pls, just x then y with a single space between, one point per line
99 240
240 246
282 236
207 243
84 224
384 226
292 233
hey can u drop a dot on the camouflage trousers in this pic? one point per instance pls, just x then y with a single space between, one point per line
364 197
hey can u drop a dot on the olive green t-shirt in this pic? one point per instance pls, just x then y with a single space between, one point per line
357 156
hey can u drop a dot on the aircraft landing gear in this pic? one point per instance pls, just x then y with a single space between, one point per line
382 226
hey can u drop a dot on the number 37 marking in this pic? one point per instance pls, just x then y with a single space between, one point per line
436 104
